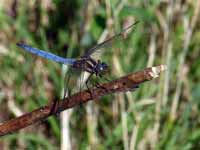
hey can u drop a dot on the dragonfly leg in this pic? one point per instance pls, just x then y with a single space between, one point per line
98 84
106 79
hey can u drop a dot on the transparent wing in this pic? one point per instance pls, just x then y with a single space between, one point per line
66 86
109 42
46 55
71 83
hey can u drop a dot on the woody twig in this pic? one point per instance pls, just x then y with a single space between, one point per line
127 83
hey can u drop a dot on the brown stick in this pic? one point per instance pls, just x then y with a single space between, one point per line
123 84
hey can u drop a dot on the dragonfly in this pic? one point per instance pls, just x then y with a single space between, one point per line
86 62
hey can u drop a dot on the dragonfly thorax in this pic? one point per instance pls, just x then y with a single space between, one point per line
90 65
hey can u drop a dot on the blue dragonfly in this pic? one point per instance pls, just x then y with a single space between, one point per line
86 62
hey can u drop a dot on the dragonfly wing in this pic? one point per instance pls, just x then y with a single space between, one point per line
109 42
66 87
71 83
47 55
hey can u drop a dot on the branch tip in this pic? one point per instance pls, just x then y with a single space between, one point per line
155 71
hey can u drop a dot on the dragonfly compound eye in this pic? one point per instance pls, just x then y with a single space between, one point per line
103 66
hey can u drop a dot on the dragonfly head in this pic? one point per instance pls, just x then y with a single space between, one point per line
102 68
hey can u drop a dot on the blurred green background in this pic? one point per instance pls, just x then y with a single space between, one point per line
161 114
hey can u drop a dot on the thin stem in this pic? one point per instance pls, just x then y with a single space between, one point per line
122 84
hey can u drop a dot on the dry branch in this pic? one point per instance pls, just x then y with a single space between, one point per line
123 84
